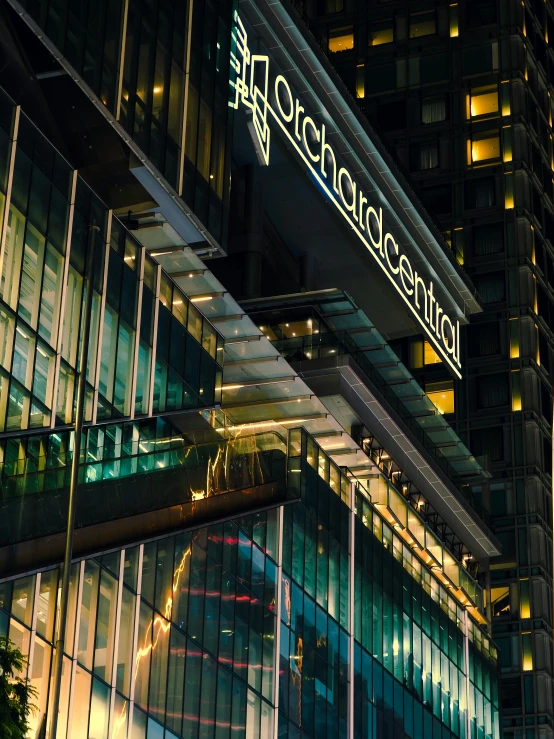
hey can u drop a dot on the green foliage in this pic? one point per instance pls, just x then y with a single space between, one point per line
16 693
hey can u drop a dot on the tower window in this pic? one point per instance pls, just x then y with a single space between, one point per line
341 39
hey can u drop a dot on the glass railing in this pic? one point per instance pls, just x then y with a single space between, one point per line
132 477
329 344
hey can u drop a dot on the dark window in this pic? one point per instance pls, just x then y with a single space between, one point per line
382 79
433 109
391 116
476 60
381 32
330 6
437 199
491 287
488 442
484 339
493 390
434 68
424 156
480 13
480 193
423 24
488 239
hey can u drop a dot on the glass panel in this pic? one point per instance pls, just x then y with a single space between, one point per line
89 606
13 255
80 711
99 711
22 599
484 149
105 627
46 606
125 647
72 312
39 680
341 39
29 300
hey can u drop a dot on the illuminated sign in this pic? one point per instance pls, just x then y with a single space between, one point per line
250 87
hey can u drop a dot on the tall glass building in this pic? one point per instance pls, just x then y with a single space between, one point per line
276 531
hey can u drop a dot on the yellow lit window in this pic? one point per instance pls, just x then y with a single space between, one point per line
485 149
430 356
441 394
514 338
500 600
454 30
360 81
423 24
524 600
381 33
509 201
527 651
483 102
341 39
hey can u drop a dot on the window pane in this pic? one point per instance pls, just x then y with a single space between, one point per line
381 33
422 24
484 149
341 39
441 394
99 710
89 605
81 702
105 627
433 110
483 103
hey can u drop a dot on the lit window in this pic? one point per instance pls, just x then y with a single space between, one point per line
454 29
500 600
423 24
485 149
381 33
360 81
341 39
527 649
524 600
483 101
430 356
441 394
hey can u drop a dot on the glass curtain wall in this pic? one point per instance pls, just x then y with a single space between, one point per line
301 621
162 69
137 311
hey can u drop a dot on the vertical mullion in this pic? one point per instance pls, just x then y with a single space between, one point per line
63 297
277 640
181 173
101 318
466 670
121 66
351 581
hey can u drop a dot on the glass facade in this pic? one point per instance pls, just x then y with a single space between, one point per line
303 620
150 349
161 69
